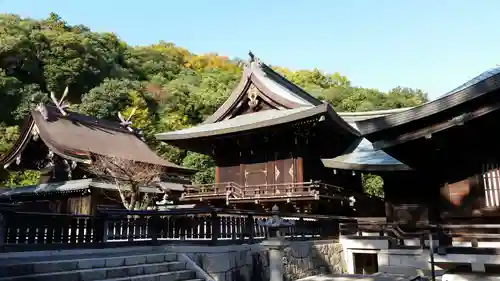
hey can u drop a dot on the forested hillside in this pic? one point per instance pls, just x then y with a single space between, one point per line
171 87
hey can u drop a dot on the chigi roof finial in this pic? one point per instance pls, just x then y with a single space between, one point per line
252 56
126 122
60 104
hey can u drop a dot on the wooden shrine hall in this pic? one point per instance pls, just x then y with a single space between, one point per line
451 145
61 144
274 143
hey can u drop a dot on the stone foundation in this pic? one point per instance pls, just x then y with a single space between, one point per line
251 262
303 259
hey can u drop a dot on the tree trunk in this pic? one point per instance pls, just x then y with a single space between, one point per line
133 200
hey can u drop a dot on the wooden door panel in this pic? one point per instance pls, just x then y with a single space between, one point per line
279 171
290 170
256 174
230 174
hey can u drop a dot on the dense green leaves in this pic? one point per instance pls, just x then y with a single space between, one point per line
8 135
204 164
169 87
372 185
107 99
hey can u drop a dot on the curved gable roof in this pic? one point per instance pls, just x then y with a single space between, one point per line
271 84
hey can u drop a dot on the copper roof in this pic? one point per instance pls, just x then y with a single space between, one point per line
271 84
77 137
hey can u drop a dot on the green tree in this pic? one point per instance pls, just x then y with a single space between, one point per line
204 164
109 98
169 87
373 185
8 135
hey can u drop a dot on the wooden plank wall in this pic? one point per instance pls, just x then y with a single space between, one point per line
271 172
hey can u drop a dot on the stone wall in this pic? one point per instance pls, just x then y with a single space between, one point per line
303 259
251 262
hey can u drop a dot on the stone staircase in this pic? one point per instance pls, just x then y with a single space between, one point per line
136 265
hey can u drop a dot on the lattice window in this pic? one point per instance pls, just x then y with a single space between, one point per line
491 180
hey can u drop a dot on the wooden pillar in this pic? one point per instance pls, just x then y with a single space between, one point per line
300 169
217 174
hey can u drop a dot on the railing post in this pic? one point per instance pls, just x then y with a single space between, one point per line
101 227
250 228
422 240
3 228
132 225
105 228
153 229
333 228
215 227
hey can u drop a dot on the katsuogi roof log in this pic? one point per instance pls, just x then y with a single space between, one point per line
77 137
334 132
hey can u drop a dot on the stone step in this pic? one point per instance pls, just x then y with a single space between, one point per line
181 275
68 263
74 255
105 273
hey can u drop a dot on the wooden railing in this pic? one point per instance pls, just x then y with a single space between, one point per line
233 192
24 231
447 235
212 191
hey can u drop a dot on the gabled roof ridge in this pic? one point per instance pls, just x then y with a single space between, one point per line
271 73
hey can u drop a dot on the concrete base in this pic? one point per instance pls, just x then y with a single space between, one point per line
416 261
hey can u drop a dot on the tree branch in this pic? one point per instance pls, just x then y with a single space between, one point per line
127 176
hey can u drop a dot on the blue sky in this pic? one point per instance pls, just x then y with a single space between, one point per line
427 44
